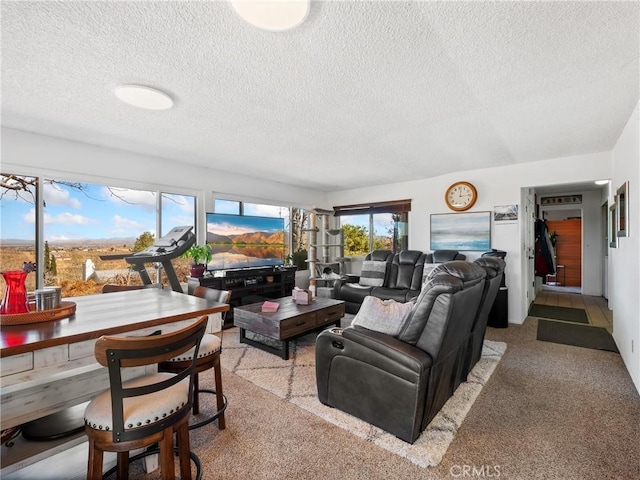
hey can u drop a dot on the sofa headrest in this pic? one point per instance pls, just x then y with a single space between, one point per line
408 257
494 266
380 255
441 256
469 273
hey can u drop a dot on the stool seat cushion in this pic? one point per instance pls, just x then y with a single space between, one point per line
209 345
142 410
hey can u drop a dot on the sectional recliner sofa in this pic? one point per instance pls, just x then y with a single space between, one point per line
386 275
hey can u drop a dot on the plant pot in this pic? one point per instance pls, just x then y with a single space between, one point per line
196 271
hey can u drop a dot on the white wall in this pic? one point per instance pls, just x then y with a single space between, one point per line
496 186
28 153
624 261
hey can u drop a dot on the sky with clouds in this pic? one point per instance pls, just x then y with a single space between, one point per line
94 212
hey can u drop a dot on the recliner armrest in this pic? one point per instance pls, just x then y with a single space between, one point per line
377 349
401 352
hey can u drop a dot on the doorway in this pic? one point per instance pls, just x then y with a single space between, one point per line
567 242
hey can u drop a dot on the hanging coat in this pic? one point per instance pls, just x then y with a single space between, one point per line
545 263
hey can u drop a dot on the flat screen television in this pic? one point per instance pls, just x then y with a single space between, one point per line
243 241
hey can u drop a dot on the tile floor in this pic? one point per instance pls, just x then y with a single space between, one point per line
597 309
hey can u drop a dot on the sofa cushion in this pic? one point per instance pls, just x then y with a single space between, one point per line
384 316
398 294
354 292
373 273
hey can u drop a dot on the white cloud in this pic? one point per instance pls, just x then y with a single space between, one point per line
121 223
124 196
56 195
30 217
67 218
176 221
64 218
262 210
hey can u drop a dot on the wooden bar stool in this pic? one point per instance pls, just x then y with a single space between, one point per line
208 358
145 410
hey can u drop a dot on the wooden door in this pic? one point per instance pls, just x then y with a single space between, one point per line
568 250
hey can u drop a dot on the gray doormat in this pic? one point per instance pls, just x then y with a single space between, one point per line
577 315
585 336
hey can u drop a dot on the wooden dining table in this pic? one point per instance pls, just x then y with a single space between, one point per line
50 366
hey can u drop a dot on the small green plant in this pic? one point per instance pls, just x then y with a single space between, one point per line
300 259
198 254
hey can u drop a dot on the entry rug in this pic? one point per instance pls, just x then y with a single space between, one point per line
577 315
295 381
585 336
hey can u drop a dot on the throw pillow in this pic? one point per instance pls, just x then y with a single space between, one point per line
384 316
372 273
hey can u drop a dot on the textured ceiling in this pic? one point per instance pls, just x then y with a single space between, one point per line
363 93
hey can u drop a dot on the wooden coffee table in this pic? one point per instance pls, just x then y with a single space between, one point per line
289 322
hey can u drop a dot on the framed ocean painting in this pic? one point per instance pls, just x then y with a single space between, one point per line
461 231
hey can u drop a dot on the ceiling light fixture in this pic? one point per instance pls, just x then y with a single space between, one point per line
272 15
144 97
602 182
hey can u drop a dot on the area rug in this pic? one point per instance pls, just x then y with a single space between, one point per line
577 315
295 381
586 336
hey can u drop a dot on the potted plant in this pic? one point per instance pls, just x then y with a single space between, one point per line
200 255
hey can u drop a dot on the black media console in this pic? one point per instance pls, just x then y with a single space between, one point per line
249 285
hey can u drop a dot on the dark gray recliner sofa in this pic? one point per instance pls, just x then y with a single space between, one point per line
494 267
352 291
402 280
400 383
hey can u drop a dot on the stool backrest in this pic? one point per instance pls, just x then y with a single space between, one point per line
222 296
119 352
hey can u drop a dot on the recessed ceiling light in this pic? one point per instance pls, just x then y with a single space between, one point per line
602 182
144 97
272 15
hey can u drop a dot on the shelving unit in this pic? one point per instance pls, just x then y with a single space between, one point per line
332 243
248 285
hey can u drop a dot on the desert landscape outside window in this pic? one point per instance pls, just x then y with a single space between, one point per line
81 222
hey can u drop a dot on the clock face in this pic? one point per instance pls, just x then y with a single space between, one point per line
461 196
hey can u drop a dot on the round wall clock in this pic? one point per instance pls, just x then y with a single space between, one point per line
461 196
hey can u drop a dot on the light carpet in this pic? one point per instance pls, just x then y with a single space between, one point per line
295 381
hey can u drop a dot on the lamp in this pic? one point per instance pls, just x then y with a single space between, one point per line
144 97
272 15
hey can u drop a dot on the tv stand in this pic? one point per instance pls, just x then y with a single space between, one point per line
248 285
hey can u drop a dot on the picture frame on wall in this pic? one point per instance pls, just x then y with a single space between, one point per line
505 213
613 234
622 210
470 231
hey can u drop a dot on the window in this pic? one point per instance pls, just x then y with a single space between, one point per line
226 206
356 230
176 211
368 227
83 224
18 200
294 220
